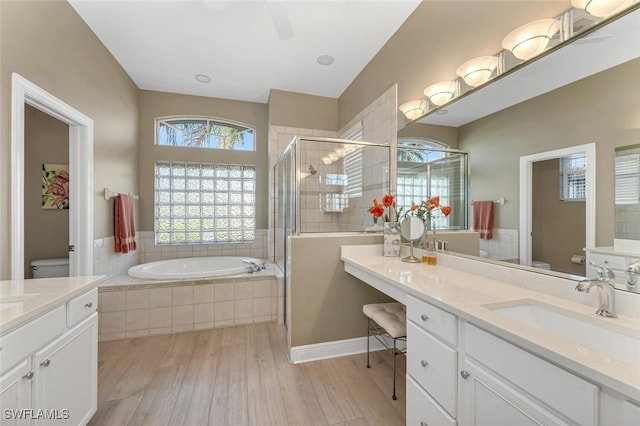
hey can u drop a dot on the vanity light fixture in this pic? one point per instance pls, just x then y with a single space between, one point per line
600 8
441 93
326 160
531 39
477 71
414 109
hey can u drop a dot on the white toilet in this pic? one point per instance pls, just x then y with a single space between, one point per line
49 268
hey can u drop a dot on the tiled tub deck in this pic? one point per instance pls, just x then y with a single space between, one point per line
132 307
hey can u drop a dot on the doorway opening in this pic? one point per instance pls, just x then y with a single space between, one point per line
24 93
526 195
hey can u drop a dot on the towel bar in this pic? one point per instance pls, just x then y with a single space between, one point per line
500 201
109 194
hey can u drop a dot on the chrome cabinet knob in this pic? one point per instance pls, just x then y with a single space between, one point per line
424 424
46 363
464 374
88 305
424 363
28 376
424 317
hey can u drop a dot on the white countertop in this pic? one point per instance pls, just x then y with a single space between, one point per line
464 295
22 300
613 250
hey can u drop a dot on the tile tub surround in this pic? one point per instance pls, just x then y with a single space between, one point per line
130 307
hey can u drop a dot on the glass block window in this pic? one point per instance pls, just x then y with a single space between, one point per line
204 203
412 188
573 177
204 133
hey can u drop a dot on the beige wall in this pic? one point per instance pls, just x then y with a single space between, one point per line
159 104
326 302
46 232
49 44
558 227
437 38
434 41
444 134
603 109
303 111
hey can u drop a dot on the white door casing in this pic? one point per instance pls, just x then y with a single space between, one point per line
526 195
80 169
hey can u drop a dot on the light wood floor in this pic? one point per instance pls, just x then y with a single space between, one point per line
240 376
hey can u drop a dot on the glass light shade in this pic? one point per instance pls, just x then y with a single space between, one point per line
600 8
477 71
531 39
414 109
441 93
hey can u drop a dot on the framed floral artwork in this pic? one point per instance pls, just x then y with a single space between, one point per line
55 186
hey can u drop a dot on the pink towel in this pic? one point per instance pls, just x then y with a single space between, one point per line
483 218
125 227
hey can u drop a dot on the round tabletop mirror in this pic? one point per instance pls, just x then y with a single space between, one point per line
412 229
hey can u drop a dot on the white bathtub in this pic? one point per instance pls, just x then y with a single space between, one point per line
192 267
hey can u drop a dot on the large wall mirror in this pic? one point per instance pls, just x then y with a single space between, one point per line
599 106
627 192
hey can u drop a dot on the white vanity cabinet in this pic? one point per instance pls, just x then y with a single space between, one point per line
432 363
459 374
618 262
49 366
503 384
15 390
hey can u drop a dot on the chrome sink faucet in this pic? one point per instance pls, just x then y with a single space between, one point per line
606 291
633 272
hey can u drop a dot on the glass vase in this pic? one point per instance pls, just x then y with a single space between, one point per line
391 235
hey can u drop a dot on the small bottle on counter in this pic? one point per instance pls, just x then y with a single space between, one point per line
429 253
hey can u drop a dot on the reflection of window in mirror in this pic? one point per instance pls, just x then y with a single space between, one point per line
428 168
573 177
627 192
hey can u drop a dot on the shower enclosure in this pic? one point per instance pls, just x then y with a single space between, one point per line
427 171
326 185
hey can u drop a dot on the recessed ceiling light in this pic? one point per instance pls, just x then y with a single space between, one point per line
202 78
441 112
325 59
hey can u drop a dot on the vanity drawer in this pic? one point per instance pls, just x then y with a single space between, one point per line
559 389
433 365
18 344
435 320
81 307
609 260
422 409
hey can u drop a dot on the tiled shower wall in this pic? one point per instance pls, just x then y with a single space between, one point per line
379 124
107 262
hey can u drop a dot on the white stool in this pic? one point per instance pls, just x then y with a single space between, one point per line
387 319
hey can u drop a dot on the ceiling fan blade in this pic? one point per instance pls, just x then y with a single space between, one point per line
281 20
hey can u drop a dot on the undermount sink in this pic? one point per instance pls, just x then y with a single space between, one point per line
617 342
7 302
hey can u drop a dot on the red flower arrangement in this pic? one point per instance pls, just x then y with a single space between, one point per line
424 210
378 210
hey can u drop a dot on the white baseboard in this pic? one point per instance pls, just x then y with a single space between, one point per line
326 350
